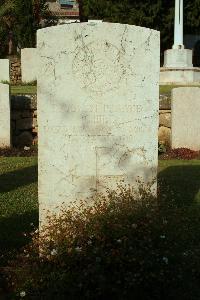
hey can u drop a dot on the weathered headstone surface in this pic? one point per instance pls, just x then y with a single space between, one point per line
4 70
5 136
97 109
185 118
29 64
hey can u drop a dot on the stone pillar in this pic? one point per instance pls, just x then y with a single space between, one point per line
5 128
178 25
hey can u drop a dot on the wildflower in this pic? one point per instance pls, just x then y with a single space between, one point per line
89 242
163 236
22 294
134 226
54 252
119 241
78 249
166 260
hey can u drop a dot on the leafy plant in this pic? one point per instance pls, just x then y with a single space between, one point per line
122 245
161 148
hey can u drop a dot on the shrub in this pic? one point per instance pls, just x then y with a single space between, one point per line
181 153
122 247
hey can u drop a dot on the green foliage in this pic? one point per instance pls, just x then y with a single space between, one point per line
27 20
161 148
20 19
156 14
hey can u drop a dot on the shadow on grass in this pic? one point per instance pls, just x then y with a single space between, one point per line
15 233
180 184
12 180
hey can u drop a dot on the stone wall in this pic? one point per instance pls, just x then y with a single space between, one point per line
24 119
15 70
164 132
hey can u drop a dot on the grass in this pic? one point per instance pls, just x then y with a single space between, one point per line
23 89
18 194
166 89
32 89
178 182
182 177
18 202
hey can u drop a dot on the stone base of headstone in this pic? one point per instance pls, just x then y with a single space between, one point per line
178 58
179 75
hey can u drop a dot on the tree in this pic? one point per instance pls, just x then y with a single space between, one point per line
19 21
28 15
155 14
6 24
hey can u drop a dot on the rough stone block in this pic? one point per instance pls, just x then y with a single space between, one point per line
165 119
97 109
185 118
24 124
24 139
164 135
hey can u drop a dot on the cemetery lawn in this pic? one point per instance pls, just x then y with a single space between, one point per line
18 203
179 186
166 89
32 89
23 89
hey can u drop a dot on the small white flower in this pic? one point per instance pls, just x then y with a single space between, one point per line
165 259
89 242
22 294
119 241
78 249
54 252
134 226
162 236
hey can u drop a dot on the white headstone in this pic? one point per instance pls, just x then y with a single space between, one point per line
29 64
4 70
185 118
5 136
97 109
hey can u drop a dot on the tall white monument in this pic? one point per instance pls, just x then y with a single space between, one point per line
178 67
178 25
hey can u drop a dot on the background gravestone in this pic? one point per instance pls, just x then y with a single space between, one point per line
5 128
4 70
97 109
29 64
185 118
